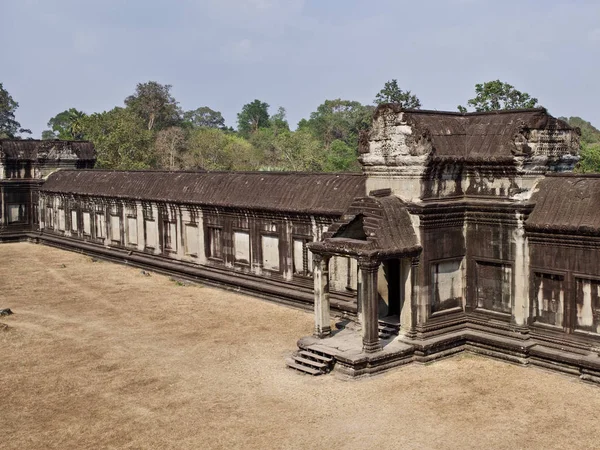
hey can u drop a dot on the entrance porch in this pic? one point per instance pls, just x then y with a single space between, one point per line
377 231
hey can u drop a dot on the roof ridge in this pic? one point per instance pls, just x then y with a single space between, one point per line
398 108
229 172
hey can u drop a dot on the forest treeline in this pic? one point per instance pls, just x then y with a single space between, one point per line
152 131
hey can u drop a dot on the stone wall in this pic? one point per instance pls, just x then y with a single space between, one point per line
255 244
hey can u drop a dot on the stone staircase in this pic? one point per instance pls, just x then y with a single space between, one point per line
311 362
387 329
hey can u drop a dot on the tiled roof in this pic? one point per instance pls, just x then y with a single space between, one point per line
270 191
568 203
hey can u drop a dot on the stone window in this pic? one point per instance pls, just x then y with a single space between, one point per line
270 252
87 223
49 216
191 239
588 305
61 219
132 230
302 257
170 235
241 245
150 233
214 243
100 226
548 299
74 224
115 228
446 285
494 286
16 213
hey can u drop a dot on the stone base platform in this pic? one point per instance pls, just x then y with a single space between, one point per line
345 346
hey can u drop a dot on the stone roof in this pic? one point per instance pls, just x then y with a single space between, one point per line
33 149
377 226
479 136
566 203
271 191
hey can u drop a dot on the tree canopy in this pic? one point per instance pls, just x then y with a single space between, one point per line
253 116
9 127
65 125
121 138
391 93
496 95
338 119
154 103
203 117
152 131
590 145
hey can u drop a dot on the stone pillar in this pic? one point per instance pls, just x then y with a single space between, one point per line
521 268
408 290
368 300
321 280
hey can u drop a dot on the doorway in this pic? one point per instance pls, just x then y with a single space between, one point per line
390 292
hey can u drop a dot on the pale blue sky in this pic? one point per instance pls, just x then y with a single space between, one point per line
296 53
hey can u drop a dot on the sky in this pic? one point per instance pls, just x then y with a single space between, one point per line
89 55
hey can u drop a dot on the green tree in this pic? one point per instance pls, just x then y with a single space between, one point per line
590 145
338 119
121 138
278 122
496 95
203 117
297 151
264 142
154 103
589 133
340 158
214 149
590 158
48 135
65 125
253 116
9 127
391 93
286 150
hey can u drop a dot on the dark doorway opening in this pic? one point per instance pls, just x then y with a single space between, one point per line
390 292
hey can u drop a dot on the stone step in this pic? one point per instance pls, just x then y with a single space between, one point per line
299 367
310 362
315 356
388 330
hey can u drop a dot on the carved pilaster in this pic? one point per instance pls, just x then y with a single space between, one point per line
409 307
321 293
368 299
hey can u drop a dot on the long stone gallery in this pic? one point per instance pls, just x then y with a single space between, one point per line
463 232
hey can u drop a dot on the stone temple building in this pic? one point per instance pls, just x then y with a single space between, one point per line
463 232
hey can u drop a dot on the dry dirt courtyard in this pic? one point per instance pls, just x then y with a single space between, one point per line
99 355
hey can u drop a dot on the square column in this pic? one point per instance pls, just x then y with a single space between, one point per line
368 298
321 292
410 290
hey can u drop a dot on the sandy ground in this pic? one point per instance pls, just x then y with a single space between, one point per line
97 355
